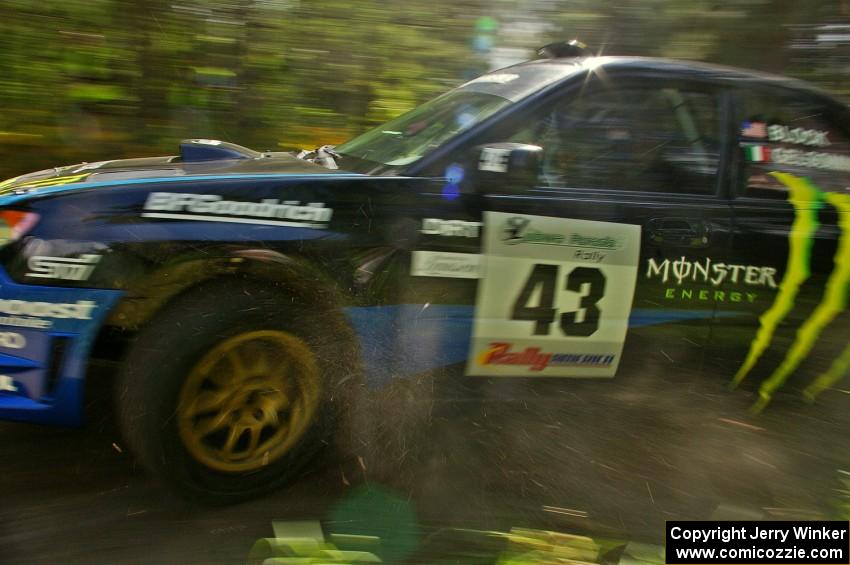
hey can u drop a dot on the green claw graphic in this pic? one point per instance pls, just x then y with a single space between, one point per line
807 200
833 303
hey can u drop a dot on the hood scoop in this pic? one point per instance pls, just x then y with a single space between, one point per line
200 150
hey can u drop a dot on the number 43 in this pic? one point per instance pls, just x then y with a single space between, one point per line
546 276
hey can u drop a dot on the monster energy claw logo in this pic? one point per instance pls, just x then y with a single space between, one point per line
806 199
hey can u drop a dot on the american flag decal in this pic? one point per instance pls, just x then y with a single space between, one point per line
754 129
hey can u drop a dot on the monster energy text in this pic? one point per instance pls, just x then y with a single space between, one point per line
706 271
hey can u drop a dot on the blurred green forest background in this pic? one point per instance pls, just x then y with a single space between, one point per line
85 80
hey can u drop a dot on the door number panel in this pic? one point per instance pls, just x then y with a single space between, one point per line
555 296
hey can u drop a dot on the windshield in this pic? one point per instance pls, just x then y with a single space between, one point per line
410 136
413 135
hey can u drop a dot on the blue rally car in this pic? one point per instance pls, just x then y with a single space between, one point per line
571 217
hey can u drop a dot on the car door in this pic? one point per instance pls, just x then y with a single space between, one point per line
791 217
619 242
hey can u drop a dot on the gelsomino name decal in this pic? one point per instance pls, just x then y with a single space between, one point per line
213 208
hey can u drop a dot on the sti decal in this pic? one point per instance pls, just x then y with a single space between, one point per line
807 199
62 268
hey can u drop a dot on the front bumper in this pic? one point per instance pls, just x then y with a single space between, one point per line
46 334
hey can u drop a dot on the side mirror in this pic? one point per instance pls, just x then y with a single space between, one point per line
510 168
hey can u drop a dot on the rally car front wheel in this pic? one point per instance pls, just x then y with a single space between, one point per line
228 392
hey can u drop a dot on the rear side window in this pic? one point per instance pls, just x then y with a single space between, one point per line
648 138
792 133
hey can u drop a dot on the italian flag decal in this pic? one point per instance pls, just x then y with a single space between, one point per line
757 153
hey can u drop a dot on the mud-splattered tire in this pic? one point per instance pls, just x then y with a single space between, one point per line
233 388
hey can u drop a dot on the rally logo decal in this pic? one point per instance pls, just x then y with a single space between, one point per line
535 359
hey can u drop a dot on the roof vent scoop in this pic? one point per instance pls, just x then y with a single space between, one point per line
199 150
563 50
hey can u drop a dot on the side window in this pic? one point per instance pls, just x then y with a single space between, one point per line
781 131
637 138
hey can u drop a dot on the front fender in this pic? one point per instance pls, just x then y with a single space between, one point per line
296 277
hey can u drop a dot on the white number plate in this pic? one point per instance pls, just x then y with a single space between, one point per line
555 296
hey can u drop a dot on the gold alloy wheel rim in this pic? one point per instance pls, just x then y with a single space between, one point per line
248 400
